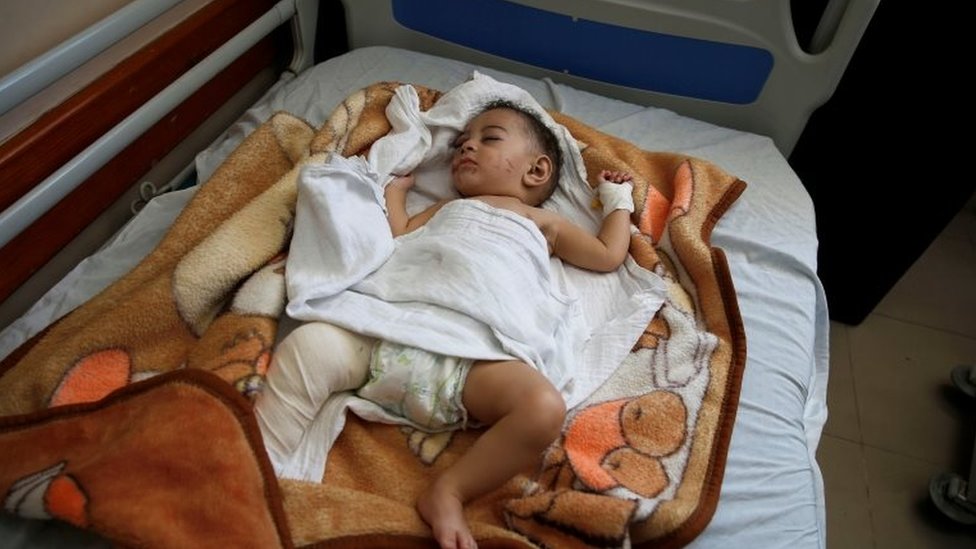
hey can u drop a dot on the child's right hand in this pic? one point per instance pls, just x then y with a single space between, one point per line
615 191
403 182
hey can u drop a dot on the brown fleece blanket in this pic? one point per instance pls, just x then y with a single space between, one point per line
131 416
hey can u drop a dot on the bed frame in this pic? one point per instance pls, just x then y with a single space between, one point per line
68 165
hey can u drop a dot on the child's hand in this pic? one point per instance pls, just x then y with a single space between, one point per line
615 177
403 182
615 190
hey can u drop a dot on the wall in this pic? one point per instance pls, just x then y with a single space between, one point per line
31 27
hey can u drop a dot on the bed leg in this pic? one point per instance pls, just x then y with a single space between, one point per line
951 493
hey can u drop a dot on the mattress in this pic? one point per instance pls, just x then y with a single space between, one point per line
772 492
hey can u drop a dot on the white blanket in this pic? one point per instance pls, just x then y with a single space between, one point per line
474 282
342 239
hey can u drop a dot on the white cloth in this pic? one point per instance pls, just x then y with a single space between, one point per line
291 398
341 232
474 282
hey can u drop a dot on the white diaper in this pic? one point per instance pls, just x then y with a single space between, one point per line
422 387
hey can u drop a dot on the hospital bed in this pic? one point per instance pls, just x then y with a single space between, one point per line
723 82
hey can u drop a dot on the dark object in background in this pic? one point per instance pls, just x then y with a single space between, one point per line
331 38
881 159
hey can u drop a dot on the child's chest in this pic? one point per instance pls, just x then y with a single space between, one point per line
543 219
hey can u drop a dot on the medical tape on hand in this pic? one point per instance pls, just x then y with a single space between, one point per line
616 196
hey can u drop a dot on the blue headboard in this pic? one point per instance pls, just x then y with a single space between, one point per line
733 63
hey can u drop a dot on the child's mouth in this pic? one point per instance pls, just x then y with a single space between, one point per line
464 163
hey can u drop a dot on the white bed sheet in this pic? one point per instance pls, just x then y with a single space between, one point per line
772 493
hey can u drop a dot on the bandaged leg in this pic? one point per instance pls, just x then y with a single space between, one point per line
312 362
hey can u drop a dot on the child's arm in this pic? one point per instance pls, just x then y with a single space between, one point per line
396 207
607 250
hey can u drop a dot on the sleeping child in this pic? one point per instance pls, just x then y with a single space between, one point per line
504 165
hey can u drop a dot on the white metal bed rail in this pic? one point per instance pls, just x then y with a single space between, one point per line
38 73
46 194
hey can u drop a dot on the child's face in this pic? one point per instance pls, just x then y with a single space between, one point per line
492 155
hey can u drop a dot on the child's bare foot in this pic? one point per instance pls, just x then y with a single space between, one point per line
615 177
444 512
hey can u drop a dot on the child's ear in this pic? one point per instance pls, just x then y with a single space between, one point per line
539 172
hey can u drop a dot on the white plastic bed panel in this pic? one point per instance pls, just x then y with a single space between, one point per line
733 63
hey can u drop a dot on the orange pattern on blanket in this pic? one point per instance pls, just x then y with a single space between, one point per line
93 377
658 210
607 443
172 461
48 494
595 431
243 352
65 500
683 189
654 215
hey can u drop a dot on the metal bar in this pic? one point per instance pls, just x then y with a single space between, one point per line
303 26
41 71
45 195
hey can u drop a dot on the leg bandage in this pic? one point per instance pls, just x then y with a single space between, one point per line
312 362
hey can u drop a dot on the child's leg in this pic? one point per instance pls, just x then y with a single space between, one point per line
526 415
312 362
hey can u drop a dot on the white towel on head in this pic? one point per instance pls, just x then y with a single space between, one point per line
409 139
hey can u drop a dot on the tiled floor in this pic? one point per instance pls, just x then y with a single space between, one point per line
895 417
